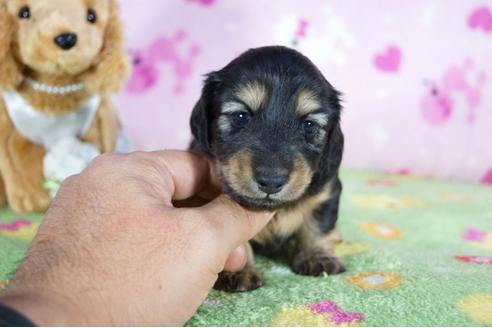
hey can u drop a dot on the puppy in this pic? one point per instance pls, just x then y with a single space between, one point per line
271 122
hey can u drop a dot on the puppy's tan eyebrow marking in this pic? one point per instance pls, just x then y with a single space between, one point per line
307 102
231 107
253 94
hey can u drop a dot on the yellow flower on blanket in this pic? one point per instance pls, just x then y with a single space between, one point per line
375 280
478 307
19 228
324 313
300 316
382 230
3 283
348 248
384 202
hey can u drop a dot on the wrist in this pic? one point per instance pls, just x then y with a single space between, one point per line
44 309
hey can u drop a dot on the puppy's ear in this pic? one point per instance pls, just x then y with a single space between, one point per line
112 64
202 116
334 149
10 69
335 146
334 97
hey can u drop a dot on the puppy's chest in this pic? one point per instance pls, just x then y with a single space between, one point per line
288 221
282 226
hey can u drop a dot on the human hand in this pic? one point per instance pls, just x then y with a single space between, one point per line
113 250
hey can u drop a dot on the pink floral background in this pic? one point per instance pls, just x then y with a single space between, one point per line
416 74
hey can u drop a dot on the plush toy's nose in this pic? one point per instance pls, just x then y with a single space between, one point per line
66 41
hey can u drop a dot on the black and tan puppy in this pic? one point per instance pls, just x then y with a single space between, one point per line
271 120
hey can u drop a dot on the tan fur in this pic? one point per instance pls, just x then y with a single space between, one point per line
238 173
3 195
98 60
288 221
310 237
254 95
101 132
250 257
111 66
315 251
10 69
307 102
21 168
299 180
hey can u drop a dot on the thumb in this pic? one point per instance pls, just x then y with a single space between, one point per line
234 224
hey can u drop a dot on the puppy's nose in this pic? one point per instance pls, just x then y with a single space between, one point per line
271 180
66 41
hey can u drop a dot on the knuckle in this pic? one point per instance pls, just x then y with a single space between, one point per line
69 182
101 161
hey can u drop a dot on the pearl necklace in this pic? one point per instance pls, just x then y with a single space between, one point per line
54 90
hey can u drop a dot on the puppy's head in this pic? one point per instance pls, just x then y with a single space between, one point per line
271 121
57 37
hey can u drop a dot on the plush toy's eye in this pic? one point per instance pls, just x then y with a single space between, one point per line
240 119
91 16
309 127
24 12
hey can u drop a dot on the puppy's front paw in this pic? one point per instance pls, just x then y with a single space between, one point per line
315 263
242 281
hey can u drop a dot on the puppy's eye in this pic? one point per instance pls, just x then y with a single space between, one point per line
91 16
24 13
309 127
240 119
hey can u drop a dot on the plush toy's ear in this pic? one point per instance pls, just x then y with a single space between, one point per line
202 115
10 69
112 65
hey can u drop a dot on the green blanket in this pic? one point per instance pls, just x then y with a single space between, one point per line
418 252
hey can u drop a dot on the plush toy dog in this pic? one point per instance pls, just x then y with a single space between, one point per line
59 61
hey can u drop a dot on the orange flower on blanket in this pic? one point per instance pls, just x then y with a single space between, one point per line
385 202
478 307
375 280
456 197
382 230
19 228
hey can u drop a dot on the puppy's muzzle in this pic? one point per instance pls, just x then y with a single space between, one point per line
271 180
